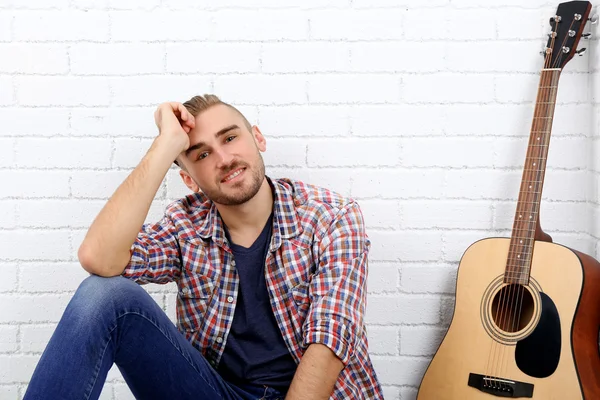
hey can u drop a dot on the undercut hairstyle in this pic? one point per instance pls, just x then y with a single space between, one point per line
198 104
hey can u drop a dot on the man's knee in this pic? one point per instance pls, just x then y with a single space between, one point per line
96 294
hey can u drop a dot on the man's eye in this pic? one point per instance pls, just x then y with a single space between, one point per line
202 155
230 138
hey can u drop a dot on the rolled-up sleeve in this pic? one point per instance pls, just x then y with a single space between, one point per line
338 288
155 254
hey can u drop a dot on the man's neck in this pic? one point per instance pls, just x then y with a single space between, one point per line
247 220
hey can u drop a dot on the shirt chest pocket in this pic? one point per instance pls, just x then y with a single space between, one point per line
195 296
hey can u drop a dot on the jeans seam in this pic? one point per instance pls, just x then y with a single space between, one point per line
175 345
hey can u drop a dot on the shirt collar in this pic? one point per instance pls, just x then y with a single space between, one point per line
286 223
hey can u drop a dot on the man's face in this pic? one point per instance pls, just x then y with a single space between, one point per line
224 159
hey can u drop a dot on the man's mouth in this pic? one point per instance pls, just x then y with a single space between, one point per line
235 173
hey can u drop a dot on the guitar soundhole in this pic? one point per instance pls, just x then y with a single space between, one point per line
512 308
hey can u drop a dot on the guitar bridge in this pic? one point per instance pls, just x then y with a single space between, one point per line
500 387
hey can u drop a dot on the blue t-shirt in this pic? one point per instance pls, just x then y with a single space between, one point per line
255 352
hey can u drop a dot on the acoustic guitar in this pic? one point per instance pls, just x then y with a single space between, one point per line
527 311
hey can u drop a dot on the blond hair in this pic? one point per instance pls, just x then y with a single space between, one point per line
199 104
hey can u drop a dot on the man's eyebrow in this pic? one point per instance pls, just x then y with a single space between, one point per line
218 134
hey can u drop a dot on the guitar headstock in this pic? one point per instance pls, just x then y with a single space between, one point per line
567 28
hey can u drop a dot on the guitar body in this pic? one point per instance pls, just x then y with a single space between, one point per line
550 349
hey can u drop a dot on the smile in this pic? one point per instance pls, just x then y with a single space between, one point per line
234 174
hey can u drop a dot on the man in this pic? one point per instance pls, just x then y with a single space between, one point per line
271 279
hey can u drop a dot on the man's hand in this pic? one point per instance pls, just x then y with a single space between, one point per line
174 122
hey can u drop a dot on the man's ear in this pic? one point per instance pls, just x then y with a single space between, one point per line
261 142
188 181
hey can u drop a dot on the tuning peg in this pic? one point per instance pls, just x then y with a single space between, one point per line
580 51
586 35
593 19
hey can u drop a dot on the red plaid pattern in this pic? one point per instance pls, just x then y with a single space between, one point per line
316 271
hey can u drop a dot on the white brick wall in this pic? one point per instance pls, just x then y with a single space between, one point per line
418 109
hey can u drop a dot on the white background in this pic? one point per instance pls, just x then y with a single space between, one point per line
418 109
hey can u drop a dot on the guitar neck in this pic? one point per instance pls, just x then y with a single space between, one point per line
528 206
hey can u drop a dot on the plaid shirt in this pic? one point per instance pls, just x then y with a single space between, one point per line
315 270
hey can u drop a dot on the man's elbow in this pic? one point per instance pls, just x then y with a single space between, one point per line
95 264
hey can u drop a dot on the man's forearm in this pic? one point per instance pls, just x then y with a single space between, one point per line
105 249
316 374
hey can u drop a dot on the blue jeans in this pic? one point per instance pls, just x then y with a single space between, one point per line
114 320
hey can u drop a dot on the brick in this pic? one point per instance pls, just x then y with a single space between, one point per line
34 121
6 18
346 89
299 120
409 393
405 245
107 392
391 392
493 56
487 119
391 370
407 184
420 341
482 184
430 25
130 122
34 245
356 25
89 4
353 152
8 339
383 340
17 368
39 4
471 24
61 25
175 186
428 279
338 180
412 4
261 89
571 119
447 152
33 58
9 392
7 90
8 214
305 57
383 277
116 59
522 24
565 185
134 4
252 4
159 25
63 153
417 57
405 309
504 4
62 91
446 214
30 308
7 152
129 152
105 183
224 57
122 392
447 88
34 184
9 278
259 25
151 91
35 338
381 213
57 213
398 120
288 152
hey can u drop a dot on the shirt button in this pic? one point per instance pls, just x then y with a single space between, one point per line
230 299
233 263
219 340
185 290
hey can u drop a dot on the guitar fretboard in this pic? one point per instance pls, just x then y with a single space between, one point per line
530 194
